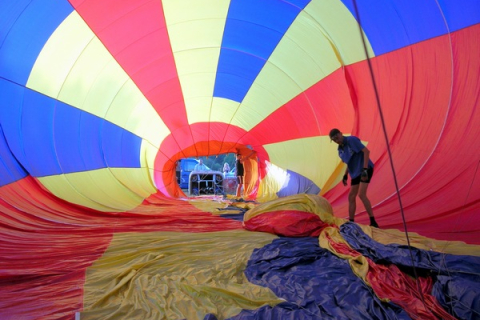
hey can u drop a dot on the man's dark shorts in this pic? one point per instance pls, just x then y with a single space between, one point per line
357 180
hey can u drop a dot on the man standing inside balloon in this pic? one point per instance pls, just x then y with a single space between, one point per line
240 160
357 157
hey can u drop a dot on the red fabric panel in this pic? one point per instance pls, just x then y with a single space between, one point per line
389 282
432 136
289 223
314 112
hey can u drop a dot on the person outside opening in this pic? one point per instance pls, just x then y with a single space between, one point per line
357 157
240 171
226 168
200 166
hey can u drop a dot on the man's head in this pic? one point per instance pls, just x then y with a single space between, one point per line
336 136
200 161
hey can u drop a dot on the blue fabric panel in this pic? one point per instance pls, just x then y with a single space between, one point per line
460 14
401 255
26 118
76 139
459 295
456 277
390 25
236 73
10 169
87 142
121 148
90 141
29 24
10 151
10 118
252 31
37 119
295 184
48 137
314 283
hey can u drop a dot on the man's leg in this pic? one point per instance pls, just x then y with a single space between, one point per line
239 186
352 204
362 194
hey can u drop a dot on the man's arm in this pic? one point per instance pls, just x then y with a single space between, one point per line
366 157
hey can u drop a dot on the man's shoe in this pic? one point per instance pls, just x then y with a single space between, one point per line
374 224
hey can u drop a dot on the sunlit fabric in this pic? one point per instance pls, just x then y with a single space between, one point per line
100 99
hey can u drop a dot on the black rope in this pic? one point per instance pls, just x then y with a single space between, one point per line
389 151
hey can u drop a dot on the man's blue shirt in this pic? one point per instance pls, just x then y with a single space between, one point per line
351 153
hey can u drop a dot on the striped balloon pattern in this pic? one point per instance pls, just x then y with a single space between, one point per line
100 99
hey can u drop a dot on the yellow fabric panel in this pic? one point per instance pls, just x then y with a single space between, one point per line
337 23
359 264
75 68
199 108
86 74
59 55
300 202
314 158
197 81
102 189
223 110
271 183
148 152
137 180
298 62
180 11
207 205
335 177
106 81
133 112
271 89
196 38
389 236
169 275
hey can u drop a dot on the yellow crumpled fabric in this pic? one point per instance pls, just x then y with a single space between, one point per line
175 275
319 205
359 264
300 202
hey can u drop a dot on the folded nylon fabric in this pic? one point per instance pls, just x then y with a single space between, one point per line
456 277
315 283
175 275
387 280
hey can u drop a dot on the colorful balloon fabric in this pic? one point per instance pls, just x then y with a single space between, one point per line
101 98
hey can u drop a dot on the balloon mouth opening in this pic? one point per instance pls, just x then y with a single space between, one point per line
167 167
